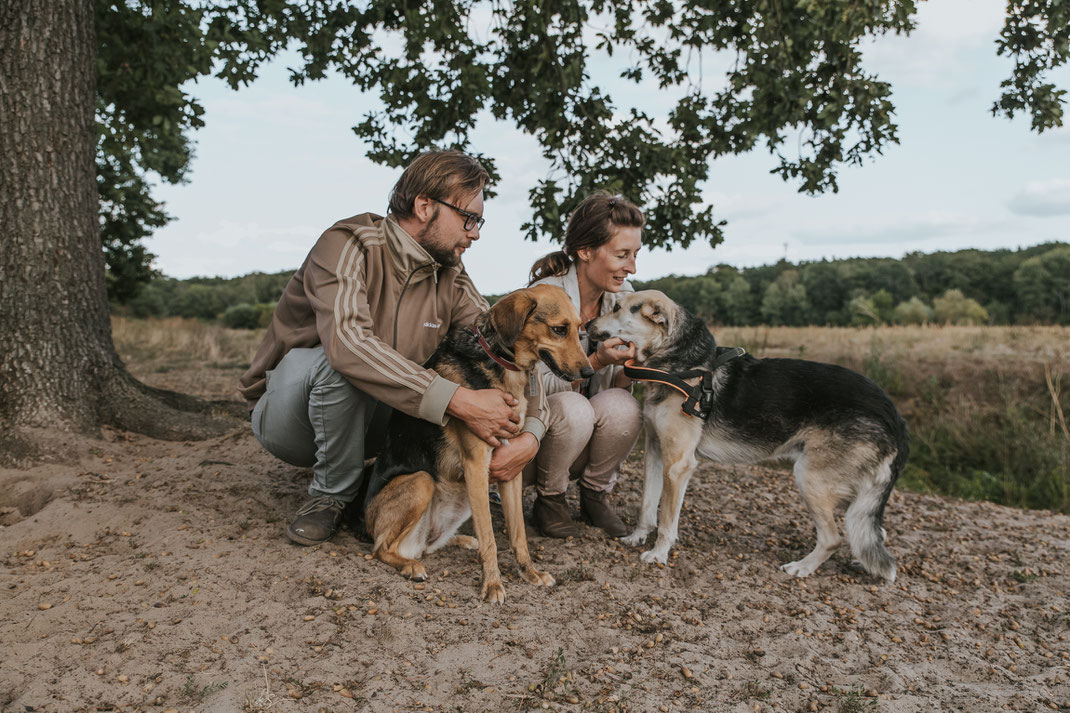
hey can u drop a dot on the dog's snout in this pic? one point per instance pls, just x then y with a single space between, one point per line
586 372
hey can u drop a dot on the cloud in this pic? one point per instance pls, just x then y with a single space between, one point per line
740 206
288 239
941 49
1043 198
921 227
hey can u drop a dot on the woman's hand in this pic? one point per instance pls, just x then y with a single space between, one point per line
610 352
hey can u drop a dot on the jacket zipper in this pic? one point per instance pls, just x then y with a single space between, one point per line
397 309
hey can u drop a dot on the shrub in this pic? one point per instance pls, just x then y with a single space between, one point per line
267 311
913 311
955 308
242 316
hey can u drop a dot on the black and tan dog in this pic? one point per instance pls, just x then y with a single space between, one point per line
848 441
436 476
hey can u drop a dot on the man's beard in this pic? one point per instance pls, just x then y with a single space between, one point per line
431 241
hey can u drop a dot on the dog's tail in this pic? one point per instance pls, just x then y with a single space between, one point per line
865 516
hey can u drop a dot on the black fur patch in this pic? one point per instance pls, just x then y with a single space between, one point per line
412 444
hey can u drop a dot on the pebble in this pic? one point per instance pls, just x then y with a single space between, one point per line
44 605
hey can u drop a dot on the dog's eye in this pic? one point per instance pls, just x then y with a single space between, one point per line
616 308
560 331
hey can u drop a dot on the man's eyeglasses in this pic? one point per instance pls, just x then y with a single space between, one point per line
471 220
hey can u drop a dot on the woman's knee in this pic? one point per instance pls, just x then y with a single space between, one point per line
616 406
571 413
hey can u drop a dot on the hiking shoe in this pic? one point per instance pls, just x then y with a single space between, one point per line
316 521
553 518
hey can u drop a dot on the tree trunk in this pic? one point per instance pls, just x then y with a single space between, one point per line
58 365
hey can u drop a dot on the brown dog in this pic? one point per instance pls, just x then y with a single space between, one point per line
436 476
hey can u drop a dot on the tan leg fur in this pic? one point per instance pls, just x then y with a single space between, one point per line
394 514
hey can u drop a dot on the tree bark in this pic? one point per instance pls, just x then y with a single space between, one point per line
58 365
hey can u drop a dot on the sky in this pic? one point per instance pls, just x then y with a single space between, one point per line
276 165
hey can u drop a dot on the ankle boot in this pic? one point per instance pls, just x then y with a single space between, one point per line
553 518
598 511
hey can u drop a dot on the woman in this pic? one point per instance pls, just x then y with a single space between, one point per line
594 423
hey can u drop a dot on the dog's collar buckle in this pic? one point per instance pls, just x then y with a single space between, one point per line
490 352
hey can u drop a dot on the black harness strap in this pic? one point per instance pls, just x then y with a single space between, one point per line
698 399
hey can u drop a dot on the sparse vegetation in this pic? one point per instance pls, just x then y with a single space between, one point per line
853 701
986 406
195 693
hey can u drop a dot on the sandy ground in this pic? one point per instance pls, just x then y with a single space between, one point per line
155 576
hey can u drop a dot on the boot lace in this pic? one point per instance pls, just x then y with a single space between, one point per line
319 504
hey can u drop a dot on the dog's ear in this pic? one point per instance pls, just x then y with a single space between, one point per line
508 315
655 313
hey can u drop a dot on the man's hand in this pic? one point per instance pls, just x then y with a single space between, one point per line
509 459
488 413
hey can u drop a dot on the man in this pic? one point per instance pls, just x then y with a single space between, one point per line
372 300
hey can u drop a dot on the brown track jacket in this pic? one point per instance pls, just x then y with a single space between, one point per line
379 304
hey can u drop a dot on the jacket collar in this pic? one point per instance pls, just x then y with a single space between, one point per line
570 283
409 256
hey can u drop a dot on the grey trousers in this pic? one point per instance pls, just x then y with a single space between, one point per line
311 416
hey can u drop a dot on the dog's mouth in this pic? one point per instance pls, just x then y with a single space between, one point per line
598 335
548 359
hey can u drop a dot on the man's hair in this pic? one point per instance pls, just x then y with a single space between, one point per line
445 175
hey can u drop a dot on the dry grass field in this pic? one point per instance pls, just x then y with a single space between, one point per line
154 576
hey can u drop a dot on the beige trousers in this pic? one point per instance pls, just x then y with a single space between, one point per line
586 439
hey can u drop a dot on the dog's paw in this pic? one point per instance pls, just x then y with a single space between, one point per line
414 571
539 579
800 569
465 541
654 557
493 592
636 538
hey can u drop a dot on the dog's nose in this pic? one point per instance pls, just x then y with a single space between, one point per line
587 372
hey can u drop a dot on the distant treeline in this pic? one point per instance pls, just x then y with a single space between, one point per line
1028 286
244 302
